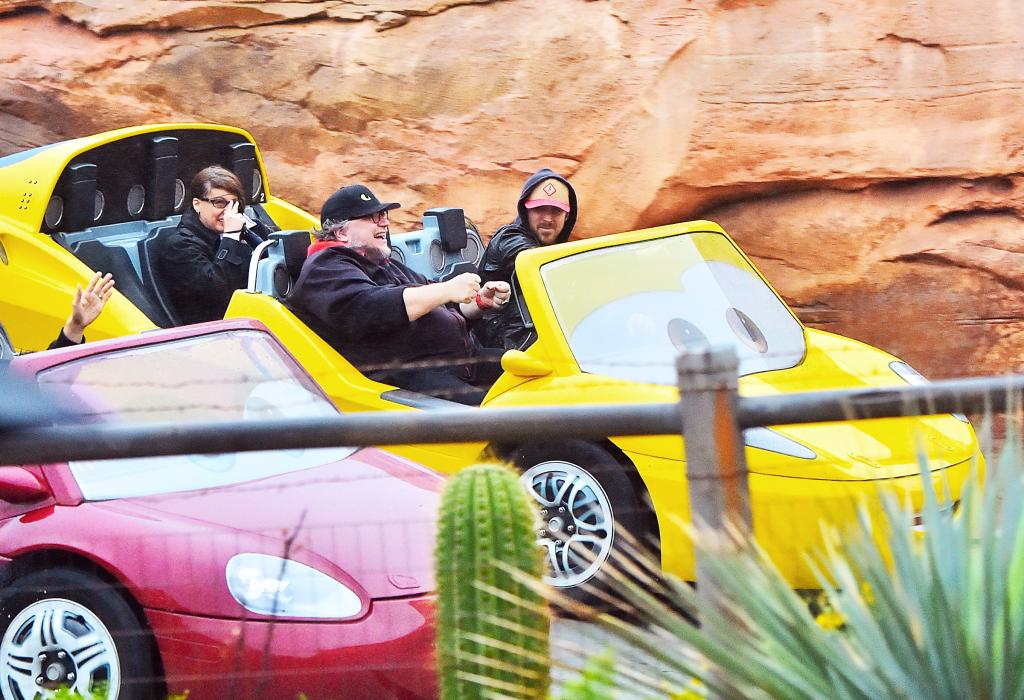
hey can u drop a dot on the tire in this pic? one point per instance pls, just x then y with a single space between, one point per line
587 500
65 628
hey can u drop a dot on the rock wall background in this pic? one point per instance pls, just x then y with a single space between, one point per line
868 154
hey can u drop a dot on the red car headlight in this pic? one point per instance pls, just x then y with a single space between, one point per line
271 585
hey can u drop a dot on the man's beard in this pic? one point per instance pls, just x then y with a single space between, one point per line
372 253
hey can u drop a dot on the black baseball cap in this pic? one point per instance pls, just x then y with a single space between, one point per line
353 202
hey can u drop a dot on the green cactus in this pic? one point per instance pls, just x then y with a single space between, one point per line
492 627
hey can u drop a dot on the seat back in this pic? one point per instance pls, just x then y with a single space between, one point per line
277 262
119 250
151 251
447 245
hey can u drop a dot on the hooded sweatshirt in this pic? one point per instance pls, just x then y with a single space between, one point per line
511 239
506 329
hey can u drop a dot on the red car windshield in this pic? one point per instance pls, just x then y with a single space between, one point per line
229 376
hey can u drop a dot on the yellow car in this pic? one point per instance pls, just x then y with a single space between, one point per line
609 316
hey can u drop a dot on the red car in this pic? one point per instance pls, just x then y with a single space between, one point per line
252 574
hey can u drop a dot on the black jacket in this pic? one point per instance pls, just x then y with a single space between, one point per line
201 269
63 341
506 329
358 307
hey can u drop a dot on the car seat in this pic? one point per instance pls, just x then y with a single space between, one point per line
277 262
151 250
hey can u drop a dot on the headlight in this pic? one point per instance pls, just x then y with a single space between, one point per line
912 376
767 439
271 585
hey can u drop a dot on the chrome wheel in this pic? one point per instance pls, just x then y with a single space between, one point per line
578 524
57 643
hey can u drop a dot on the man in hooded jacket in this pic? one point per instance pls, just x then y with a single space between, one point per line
546 214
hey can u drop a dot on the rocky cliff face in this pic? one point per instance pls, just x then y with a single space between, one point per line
867 155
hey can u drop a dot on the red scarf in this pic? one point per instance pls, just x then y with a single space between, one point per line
317 246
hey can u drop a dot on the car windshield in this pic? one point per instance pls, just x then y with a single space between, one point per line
229 376
628 310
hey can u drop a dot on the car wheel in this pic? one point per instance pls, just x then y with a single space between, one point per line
585 500
67 629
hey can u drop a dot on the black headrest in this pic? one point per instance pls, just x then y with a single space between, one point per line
451 223
295 243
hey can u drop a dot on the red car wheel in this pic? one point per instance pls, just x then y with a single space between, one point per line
67 629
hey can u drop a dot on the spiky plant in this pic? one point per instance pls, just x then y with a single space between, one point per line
936 613
492 624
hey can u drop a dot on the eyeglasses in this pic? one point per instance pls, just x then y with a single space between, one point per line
380 218
218 202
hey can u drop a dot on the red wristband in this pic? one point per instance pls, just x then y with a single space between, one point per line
481 304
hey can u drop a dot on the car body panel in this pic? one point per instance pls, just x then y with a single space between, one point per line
391 658
337 513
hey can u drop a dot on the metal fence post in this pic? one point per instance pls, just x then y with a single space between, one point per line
716 465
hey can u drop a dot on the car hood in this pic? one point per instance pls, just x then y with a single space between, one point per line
861 449
370 516
849 450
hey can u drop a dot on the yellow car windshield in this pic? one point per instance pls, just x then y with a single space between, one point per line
627 311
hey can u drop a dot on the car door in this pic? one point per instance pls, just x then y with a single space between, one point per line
37 285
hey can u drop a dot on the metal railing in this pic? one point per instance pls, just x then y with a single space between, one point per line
702 375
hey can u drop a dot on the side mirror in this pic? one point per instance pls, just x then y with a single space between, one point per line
19 485
519 364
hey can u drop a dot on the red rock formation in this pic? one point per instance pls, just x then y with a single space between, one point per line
866 154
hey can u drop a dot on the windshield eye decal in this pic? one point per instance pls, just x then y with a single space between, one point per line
746 330
686 337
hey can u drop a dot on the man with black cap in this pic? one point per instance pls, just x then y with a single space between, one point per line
545 214
382 316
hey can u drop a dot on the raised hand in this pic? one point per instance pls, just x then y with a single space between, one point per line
87 305
234 221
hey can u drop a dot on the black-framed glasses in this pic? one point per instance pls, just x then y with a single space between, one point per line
380 218
218 202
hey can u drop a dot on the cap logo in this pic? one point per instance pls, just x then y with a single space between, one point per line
365 197
549 189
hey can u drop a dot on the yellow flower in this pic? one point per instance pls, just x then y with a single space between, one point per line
693 692
688 694
830 620
865 591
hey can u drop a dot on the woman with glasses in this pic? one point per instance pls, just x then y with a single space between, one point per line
207 258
